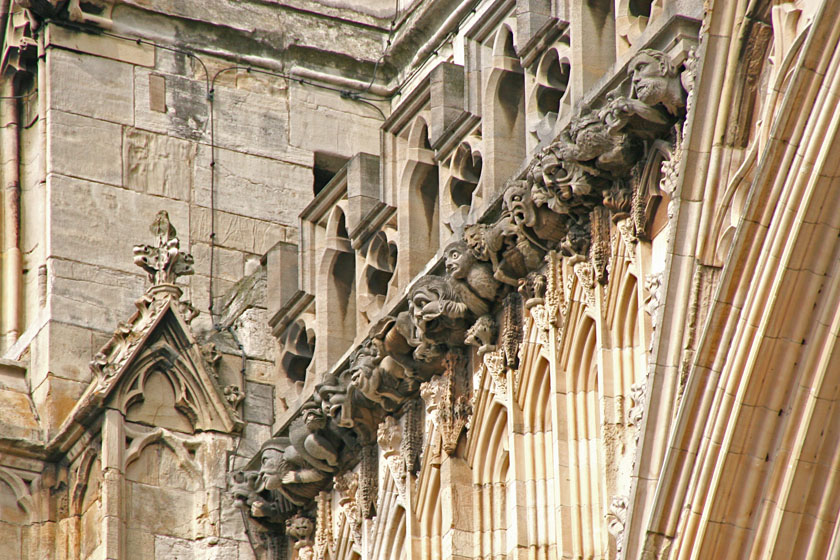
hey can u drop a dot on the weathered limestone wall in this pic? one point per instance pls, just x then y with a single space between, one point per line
111 132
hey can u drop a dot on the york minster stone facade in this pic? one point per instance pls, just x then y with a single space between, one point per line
421 279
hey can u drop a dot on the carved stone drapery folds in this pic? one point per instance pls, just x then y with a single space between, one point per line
563 204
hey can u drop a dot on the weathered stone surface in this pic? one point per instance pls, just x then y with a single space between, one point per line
169 547
18 419
254 124
158 164
282 275
198 292
99 224
314 123
91 296
11 514
187 113
84 147
54 398
124 51
227 264
252 330
140 542
102 87
236 232
259 403
253 437
160 511
254 186
446 83
62 350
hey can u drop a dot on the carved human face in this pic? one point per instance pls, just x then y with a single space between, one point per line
272 468
458 260
650 80
425 305
520 204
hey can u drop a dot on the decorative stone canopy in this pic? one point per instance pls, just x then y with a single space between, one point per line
157 341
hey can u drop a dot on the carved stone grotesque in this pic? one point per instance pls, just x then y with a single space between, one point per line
471 279
378 378
244 489
546 224
437 314
301 529
311 442
572 194
344 402
511 253
656 81
294 466
234 395
482 334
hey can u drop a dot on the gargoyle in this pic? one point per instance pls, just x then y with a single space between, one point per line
505 245
471 279
298 481
437 314
370 379
482 334
547 225
591 138
345 404
310 442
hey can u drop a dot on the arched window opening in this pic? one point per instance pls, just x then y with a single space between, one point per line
465 169
640 8
550 92
419 220
504 130
336 310
632 18
298 347
343 280
380 264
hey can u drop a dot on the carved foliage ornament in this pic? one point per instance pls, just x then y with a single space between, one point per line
164 262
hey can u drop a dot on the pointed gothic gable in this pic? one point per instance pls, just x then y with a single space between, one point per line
154 373
152 369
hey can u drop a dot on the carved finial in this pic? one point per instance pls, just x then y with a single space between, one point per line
165 262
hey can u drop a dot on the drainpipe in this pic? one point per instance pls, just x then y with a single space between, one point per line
12 257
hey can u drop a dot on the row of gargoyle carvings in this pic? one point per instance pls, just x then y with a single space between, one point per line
587 172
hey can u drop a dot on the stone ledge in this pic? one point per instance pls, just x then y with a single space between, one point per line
13 376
